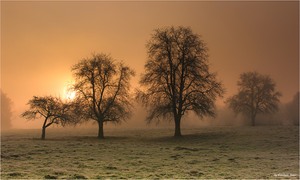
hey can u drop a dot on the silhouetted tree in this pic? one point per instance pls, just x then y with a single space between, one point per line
257 94
292 110
52 109
177 77
6 111
102 87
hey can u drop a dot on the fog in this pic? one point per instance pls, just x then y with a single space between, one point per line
6 112
291 113
287 115
40 41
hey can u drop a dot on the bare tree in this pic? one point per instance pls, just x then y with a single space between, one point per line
292 110
177 77
52 109
6 111
102 87
257 94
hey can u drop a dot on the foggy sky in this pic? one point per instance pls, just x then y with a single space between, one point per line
40 41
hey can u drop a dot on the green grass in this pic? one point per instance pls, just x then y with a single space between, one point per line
215 152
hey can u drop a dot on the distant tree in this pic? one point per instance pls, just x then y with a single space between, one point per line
257 94
102 87
6 111
292 109
177 77
52 109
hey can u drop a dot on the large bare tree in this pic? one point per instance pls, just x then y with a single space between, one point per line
52 109
256 94
102 87
177 77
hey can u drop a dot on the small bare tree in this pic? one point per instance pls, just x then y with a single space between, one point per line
292 110
257 94
102 87
177 77
52 109
6 111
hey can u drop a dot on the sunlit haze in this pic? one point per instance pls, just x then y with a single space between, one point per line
69 94
40 41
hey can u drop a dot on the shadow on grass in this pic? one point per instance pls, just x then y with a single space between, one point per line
146 137
81 138
191 137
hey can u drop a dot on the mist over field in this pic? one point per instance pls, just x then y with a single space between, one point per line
149 90
288 114
241 37
222 147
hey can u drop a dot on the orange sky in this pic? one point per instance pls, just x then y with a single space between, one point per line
40 41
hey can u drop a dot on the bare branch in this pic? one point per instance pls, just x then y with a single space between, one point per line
177 77
257 94
103 89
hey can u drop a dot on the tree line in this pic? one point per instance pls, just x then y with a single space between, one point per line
176 80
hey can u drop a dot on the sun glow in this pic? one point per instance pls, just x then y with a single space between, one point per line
68 93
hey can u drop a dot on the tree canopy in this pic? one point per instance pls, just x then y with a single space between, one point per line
52 109
177 77
256 94
102 87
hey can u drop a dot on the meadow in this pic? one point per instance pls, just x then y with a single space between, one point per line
210 152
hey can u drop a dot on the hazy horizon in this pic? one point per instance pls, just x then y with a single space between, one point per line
40 41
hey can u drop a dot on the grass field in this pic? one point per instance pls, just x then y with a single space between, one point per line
214 152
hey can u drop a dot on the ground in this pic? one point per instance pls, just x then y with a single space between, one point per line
214 152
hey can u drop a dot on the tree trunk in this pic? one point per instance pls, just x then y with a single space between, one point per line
177 126
100 130
43 133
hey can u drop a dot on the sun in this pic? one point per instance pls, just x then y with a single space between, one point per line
68 93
